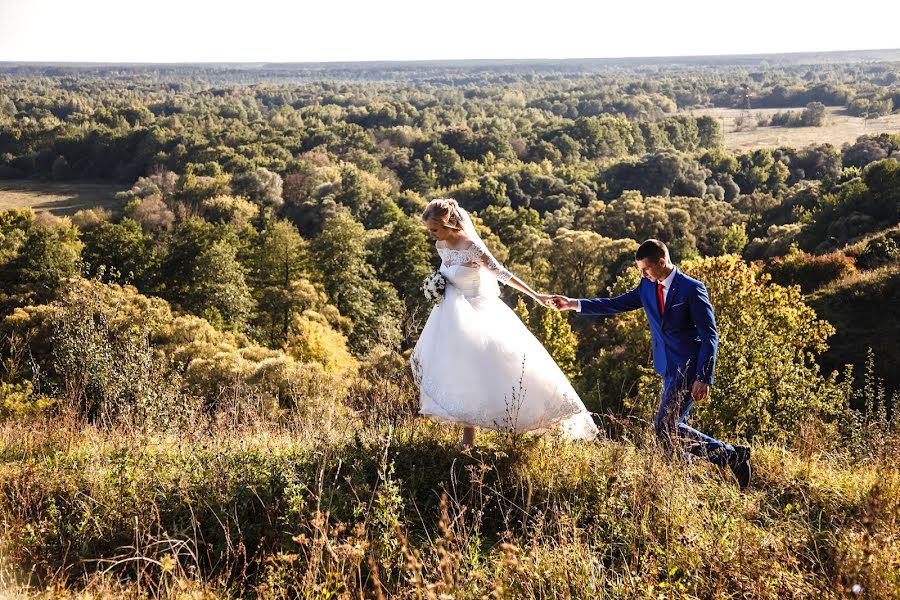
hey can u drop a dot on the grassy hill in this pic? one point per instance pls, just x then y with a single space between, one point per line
334 509
863 309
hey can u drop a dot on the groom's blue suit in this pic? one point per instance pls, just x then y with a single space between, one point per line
684 342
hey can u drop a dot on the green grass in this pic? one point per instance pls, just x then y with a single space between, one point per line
59 198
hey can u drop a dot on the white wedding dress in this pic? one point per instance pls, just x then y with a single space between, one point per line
478 365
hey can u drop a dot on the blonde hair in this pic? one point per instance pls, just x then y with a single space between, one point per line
443 210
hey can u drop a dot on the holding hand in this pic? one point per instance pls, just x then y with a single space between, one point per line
545 300
564 302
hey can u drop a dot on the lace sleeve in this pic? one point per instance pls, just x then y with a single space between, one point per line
490 263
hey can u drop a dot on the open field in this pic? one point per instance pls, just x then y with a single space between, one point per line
841 128
58 199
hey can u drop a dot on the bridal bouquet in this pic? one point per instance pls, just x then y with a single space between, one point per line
434 286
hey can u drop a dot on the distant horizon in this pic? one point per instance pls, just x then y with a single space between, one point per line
534 59
273 31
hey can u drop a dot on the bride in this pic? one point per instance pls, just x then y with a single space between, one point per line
476 363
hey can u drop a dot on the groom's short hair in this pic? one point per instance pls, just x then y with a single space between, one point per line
652 250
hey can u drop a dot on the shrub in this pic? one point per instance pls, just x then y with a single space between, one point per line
90 348
236 210
112 354
862 309
19 399
151 212
88 218
879 252
312 339
779 240
808 271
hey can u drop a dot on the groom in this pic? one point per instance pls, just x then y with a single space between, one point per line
683 330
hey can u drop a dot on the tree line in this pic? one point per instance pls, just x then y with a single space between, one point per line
287 214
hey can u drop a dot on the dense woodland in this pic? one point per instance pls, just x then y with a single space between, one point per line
562 169
268 254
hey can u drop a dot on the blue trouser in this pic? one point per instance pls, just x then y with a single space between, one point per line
671 422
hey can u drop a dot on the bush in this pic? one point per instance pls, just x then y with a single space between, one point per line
814 115
19 399
151 212
88 218
91 350
879 252
223 368
808 271
236 210
112 354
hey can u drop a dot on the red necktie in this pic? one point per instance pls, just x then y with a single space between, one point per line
659 296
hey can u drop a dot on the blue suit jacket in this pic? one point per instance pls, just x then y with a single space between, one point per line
684 338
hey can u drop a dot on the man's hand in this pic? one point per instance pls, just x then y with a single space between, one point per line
700 391
564 303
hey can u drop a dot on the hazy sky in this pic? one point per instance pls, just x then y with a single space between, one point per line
328 30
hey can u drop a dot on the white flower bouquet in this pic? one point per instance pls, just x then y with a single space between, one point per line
433 287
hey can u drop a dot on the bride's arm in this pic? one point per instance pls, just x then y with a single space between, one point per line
504 276
523 287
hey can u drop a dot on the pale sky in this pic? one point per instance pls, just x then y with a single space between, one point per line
336 30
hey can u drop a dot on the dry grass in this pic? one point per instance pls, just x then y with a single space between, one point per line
310 511
57 198
841 128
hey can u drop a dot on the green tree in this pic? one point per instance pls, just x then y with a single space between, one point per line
262 186
760 171
201 181
279 271
360 191
814 115
342 268
686 224
857 208
234 210
120 249
709 132
181 248
447 166
402 256
220 292
421 178
521 231
42 257
61 169
661 173
584 262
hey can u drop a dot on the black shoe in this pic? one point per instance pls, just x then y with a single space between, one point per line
741 454
740 466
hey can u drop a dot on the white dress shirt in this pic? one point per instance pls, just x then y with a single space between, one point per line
667 285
